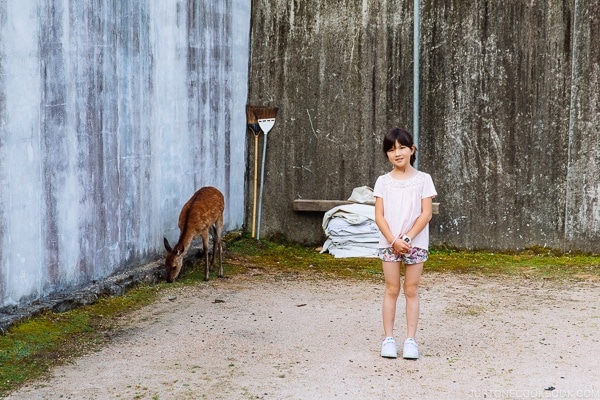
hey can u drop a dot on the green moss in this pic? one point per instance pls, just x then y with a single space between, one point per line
528 264
30 348
532 263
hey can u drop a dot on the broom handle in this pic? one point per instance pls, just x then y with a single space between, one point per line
255 185
262 180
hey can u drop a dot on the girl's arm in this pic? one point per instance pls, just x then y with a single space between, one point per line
424 218
381 222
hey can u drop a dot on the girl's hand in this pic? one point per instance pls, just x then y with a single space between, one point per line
400 246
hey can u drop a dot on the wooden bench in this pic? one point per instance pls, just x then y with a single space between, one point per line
326 205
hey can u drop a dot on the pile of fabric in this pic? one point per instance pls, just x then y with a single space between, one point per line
350 228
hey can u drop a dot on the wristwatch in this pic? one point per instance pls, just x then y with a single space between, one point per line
406 239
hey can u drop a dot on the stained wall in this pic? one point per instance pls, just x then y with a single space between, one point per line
111 115
509 125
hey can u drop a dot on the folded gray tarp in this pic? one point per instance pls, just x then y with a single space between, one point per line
350 228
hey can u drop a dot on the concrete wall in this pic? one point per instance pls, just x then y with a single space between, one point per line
509 113
111 115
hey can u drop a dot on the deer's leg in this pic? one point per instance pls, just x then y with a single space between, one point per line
205 247
219 243
213 233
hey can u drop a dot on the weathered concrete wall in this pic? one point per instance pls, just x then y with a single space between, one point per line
582 219
496 82
340 73
111 115
509 113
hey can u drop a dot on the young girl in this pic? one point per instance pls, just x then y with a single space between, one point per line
403 202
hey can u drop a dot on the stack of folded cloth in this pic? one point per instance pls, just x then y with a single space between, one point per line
350 228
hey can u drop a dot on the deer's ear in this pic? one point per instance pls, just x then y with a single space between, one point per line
167 245
179 249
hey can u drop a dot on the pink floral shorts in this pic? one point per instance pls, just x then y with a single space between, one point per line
416 255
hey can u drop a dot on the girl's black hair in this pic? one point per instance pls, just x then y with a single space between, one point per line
401 136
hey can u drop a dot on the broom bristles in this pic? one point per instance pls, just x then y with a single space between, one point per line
265 112
250 116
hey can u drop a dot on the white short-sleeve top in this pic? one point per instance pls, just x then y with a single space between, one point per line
402 205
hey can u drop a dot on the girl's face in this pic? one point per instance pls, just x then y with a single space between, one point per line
399 155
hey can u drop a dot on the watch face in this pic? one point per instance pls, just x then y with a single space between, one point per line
407 240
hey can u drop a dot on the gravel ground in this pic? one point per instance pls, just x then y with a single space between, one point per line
257 336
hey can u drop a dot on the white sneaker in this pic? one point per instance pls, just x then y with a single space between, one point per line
388 348
411 349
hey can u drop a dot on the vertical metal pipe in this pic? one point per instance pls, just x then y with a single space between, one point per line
568 226
416 51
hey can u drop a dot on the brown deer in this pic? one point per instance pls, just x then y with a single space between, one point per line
203 213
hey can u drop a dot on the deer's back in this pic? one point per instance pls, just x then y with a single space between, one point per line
202 210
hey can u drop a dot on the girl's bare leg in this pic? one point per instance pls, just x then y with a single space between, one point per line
411 293
391 273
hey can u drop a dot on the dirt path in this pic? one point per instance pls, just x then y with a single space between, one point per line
259 337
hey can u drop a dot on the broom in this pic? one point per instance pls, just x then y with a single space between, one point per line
266 120
255 129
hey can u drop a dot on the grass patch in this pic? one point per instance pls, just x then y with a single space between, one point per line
286 258
533 263
528 264
31 348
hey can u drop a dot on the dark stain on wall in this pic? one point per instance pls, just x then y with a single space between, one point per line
52 129
208 56
89 134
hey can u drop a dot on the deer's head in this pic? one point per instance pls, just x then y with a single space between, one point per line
173 261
